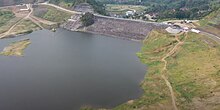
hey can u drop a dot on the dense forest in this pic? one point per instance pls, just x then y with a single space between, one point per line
191 9
163 9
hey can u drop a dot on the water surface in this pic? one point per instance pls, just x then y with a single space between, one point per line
66 70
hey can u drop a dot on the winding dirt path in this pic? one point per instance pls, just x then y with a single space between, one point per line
5 34
10 29
165 69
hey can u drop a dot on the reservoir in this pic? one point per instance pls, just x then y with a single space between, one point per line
66 70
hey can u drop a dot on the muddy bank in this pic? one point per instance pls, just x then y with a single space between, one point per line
125 29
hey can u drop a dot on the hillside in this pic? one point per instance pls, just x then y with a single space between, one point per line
173 9
14 2
211 23
183 73
212 19
97 6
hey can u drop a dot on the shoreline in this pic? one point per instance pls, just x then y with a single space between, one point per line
106 35
96 33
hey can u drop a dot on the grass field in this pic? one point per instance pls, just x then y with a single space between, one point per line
193 71
121 9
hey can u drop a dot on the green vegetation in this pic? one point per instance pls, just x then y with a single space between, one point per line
16 48
13 2
192 71
51 14
87 19
5 17
173 9
25 26
122 9
55 15
211 19
10 23
97 6
63 3
211 23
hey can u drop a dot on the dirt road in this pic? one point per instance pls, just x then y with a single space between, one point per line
7 33
176 47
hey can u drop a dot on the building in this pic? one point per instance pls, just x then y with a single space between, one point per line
187 21
27 7
185 29
130 13
195 30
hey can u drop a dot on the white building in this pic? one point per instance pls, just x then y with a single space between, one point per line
130 13
186 29
27 8
195 30
188 21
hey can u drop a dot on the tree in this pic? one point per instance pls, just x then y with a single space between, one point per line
87 19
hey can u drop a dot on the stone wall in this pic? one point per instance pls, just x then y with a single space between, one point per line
125 29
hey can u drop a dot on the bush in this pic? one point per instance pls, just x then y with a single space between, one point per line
87 19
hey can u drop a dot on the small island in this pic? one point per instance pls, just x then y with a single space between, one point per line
16 48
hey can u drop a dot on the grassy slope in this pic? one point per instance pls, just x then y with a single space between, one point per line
212 18
52 14
211 23
5 17
26 26
121 9
193 72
